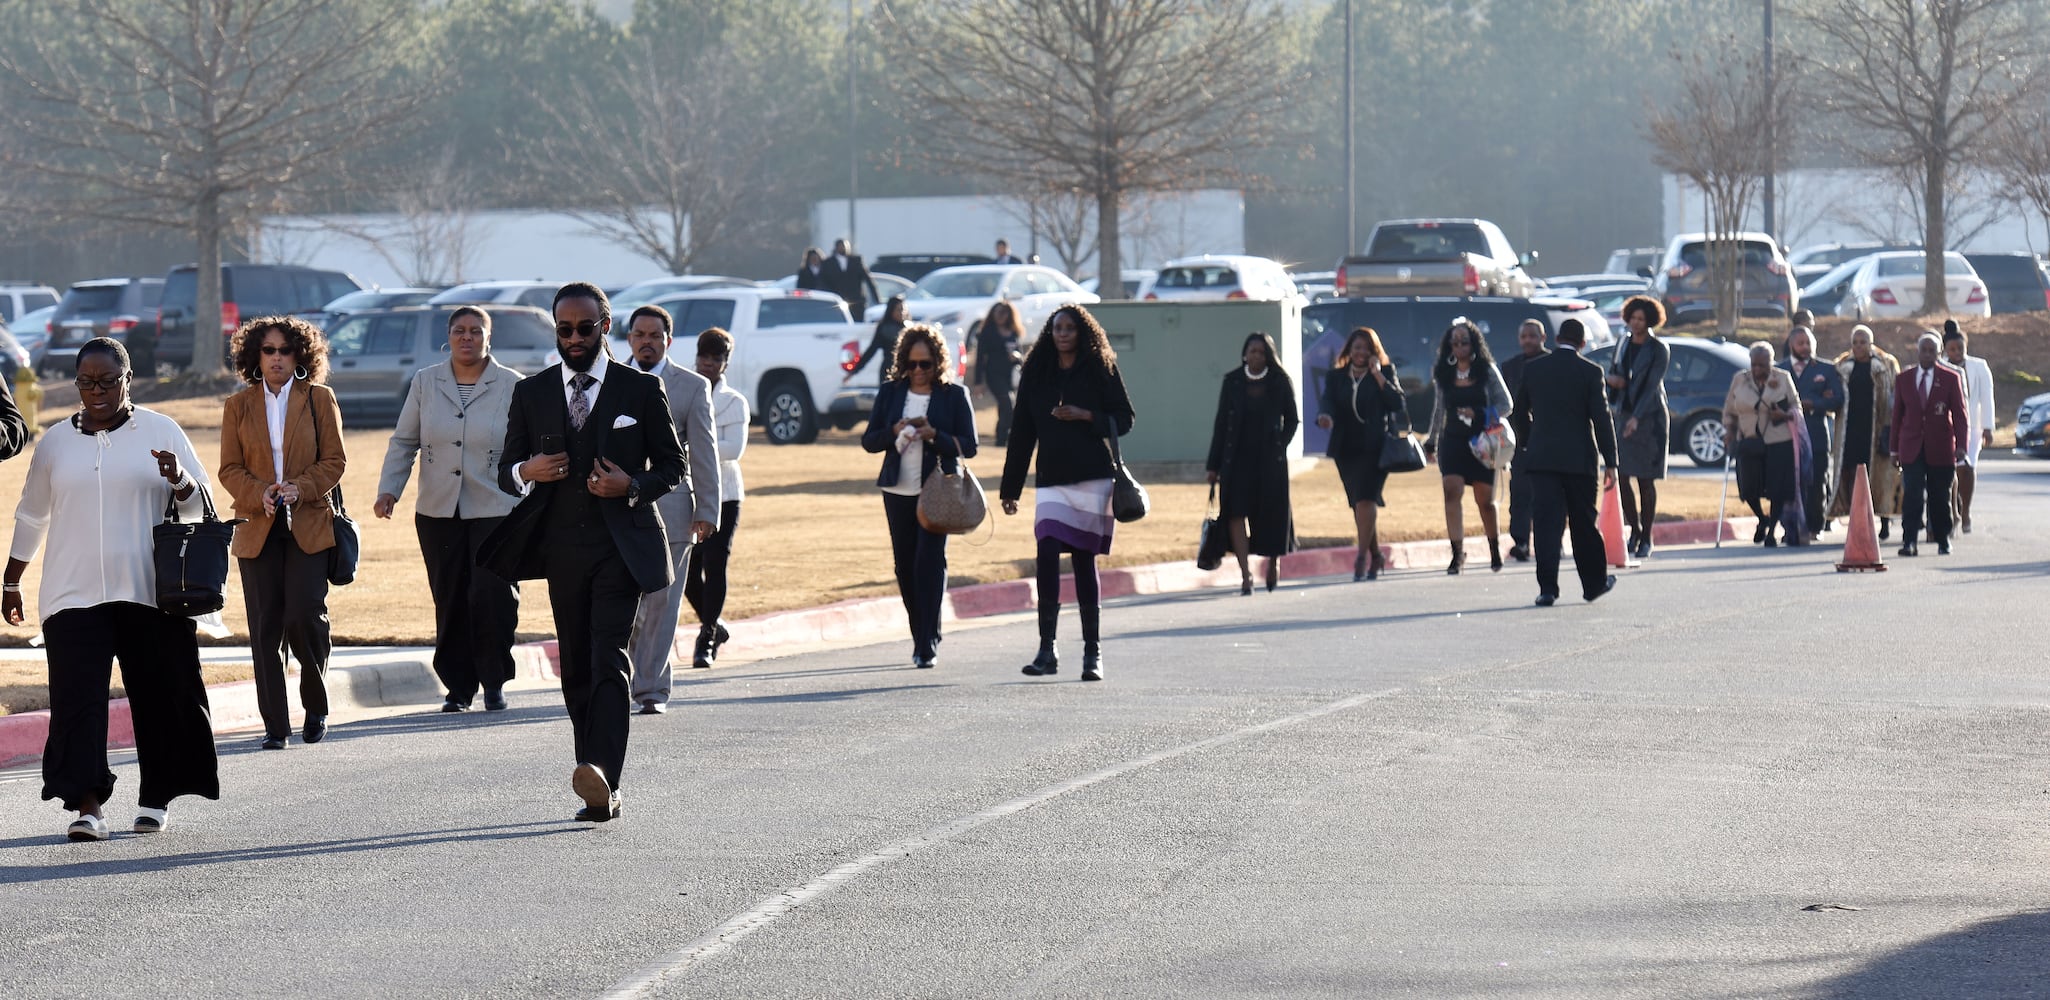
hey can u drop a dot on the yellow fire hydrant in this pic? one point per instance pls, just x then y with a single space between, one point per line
28 398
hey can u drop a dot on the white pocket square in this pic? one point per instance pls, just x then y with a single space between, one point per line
623 421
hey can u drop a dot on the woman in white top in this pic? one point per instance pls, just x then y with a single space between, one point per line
704 579
115 468
920 416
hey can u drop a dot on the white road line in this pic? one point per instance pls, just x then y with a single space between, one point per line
644 980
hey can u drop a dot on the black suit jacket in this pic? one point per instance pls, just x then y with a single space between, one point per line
647 449
950 413
851 282
1562 411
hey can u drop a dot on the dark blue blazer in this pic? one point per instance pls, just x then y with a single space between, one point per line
950 413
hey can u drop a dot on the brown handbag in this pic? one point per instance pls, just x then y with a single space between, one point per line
952 503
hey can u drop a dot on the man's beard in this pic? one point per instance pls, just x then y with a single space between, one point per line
582 364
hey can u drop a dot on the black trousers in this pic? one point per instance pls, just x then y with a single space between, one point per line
1000 390
704 575
594 598
285 592
920 559
174 732
1919 481
1560 501
1519 502
475 611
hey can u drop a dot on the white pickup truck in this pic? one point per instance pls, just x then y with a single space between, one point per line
789 349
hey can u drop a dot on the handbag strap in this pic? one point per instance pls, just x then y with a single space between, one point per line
1117 460
334 495
206 499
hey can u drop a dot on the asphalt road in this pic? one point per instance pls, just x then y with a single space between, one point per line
1422 787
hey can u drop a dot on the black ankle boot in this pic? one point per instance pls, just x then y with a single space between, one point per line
706 649
1046 664
1494 555
1092 662
1458 559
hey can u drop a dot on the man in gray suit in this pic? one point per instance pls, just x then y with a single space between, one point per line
649 334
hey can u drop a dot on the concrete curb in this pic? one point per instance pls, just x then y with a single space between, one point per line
409 679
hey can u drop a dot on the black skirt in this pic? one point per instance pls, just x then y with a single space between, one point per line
1769 477
1363 478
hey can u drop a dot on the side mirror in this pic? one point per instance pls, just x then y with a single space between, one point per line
1527 258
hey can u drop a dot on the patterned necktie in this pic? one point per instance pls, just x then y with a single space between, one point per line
579 403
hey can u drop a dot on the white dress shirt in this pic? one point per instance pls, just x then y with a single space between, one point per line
660 367
274 411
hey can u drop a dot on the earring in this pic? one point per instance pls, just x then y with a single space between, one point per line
301 372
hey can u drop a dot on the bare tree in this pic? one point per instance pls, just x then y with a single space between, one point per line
1928 82
1101 97
1062 219
1713 134
175 112
2021 161
432 232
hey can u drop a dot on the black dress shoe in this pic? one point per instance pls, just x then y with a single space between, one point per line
1520 553
1547 600
273 743
494 701
1942 548
1608 584
600 814
924 662
450 704
705 650
316 728
1763 532
1909 550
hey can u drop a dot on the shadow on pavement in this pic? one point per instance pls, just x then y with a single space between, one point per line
1247 628
807 697
426 720
2021 568
1996 957
87 867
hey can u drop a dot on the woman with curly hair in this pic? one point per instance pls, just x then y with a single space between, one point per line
922 420
1469 397
1637 398
281 454
1070 401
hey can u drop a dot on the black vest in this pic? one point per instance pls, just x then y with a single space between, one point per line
573 513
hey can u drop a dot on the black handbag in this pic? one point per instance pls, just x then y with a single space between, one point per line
192 559
1400 450
348 547
1213 541
1128 500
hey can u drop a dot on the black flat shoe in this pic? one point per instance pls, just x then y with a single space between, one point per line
1885 528
1764 531
1608 584
450 704
1942 548
1547 600
273 743
1520 553
1771 542
316 728
924 662
494 701
1909 550
1046 664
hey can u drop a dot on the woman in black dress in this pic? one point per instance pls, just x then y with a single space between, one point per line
1256 419
1467 387
884 343
1360 395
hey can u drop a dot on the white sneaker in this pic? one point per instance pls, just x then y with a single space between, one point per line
87 828
149 820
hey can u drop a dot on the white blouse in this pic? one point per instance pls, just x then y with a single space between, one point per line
729 425
93 499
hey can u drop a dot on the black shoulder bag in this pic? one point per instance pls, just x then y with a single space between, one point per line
192 559
348 547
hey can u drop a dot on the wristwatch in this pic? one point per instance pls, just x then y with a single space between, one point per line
633 493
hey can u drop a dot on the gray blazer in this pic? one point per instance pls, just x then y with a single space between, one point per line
690 407
458 447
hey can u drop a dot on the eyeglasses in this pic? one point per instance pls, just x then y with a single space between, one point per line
587 328
108 384
918 365
275 351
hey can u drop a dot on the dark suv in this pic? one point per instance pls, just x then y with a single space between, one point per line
122 308
2015 281
247 291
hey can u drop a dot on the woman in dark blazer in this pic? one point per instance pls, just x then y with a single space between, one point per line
921 416
1256 419
1360 395
281 453
1637 397
1071 399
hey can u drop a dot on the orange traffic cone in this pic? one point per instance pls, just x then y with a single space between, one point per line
1861 548
1611 523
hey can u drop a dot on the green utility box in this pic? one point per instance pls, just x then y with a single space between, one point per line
1174 355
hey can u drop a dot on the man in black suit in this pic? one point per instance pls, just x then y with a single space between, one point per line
1562 411
1004 255
812 276
1530 339
589 447
847 277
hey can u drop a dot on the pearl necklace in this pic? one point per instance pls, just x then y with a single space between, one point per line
1256 378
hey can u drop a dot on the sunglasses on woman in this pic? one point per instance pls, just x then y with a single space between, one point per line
275 351
918 365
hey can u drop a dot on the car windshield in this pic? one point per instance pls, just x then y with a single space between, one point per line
1426 242
1838 276
1204 276
1954 265
92 298
1755 254
957 285
361 300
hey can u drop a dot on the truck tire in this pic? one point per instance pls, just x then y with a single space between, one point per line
1705 439
788 416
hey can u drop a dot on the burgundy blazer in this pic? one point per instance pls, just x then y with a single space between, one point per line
1934 429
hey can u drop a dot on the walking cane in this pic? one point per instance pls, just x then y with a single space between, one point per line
1722 502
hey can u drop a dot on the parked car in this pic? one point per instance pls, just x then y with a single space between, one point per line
916 266
373 353
13 358
1135 282
1765 285
1642 261
1823 295
1814 261
103 307
1697 380
641 293
1436 257
1410 327
956 298
539 294
369 298
886 284
2016 281
1583 284
19 298
1890 286
32 332
1315 286
247 291
1222 277
2032 426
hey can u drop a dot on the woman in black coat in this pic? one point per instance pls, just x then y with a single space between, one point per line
1256 419
885 339
1070 401
921 418
1360 395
